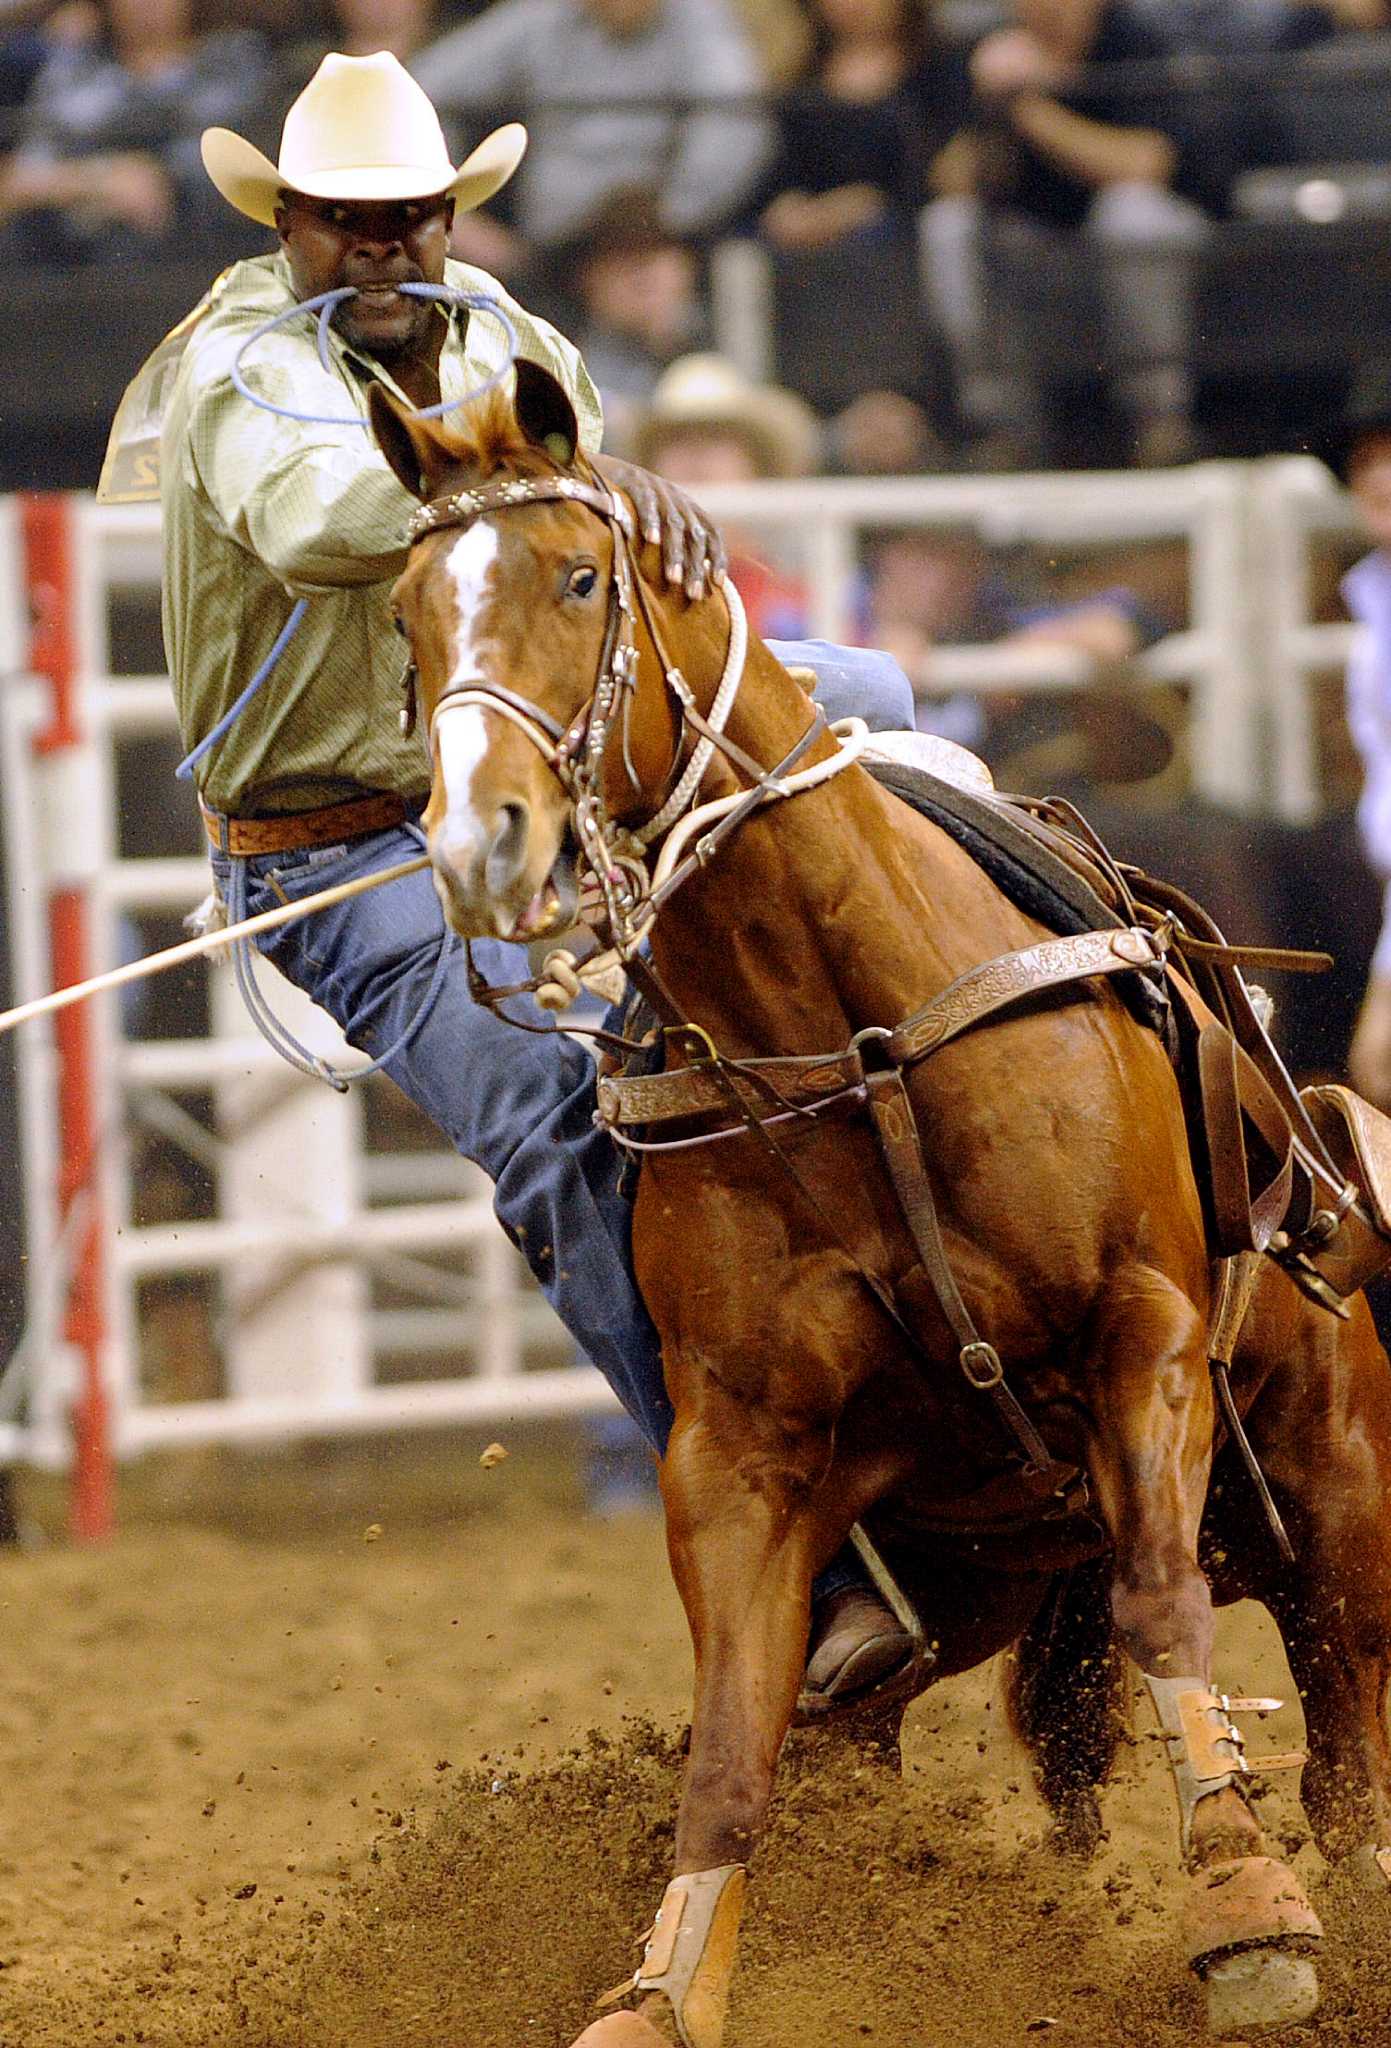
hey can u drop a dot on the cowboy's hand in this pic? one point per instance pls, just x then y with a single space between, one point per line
693 555
1369 1056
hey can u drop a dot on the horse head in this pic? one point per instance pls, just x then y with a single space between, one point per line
515 602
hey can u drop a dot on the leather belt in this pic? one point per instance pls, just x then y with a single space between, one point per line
297 830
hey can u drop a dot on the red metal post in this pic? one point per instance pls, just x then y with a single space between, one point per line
54 654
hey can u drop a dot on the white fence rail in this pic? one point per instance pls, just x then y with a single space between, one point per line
1295 506
305 1214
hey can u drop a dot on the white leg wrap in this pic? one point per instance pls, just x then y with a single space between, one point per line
690 1955
1204 1745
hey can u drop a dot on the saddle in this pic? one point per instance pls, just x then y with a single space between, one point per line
1303 1175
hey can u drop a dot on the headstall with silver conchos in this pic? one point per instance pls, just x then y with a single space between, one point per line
575 754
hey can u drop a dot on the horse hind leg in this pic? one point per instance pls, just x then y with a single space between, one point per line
1249 1925
1322 1429
1341 1664
1064 1683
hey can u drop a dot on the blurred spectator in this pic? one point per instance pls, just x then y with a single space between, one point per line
1241 28
107 163
861 130
1078 213
940 587
1361 457
708 425
28 33
884 433
655 93
636 304
359 28
781 37
1360 14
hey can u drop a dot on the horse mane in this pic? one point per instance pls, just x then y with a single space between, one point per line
487 439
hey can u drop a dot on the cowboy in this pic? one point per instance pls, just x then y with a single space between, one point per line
274 493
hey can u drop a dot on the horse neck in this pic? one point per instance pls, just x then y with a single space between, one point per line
770 712
795 933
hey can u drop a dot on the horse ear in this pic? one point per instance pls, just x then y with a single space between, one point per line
545 414
418 454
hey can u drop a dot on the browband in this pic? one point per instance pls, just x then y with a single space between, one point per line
465 506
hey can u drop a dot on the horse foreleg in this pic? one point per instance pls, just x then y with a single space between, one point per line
1249 1923
741 1537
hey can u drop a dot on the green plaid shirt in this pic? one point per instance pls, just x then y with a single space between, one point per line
260 510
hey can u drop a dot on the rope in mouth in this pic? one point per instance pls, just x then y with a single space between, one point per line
326 304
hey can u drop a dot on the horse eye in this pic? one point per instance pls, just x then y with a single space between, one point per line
582 582
399 623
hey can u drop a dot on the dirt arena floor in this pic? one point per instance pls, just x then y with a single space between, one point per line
376 1749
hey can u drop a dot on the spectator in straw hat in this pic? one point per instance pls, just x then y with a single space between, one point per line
1359 453
271 493
708 424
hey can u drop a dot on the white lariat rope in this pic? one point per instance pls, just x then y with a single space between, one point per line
853 735
207 942
735 657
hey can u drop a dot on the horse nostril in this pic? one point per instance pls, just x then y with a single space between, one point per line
507 854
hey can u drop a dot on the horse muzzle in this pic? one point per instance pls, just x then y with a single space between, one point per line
491 888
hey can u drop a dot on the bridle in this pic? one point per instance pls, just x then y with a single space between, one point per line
613 852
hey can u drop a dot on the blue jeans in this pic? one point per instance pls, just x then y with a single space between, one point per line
519 1106
853 682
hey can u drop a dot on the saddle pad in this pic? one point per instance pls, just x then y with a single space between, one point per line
1021 866
1018 863
928 752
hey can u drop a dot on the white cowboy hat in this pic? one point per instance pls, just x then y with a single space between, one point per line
708 391
361 129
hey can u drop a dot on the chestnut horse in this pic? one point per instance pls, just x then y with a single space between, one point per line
821 1310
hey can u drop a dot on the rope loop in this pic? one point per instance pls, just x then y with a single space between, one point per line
326 304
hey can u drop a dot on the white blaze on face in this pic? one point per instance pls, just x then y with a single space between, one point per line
460 734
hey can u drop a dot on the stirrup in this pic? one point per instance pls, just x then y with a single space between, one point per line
905 1681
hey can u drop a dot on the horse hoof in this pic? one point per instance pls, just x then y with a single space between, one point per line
623 2030
1250 1933
1258 1991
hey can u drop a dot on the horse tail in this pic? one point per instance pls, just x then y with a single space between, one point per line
1066 1699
